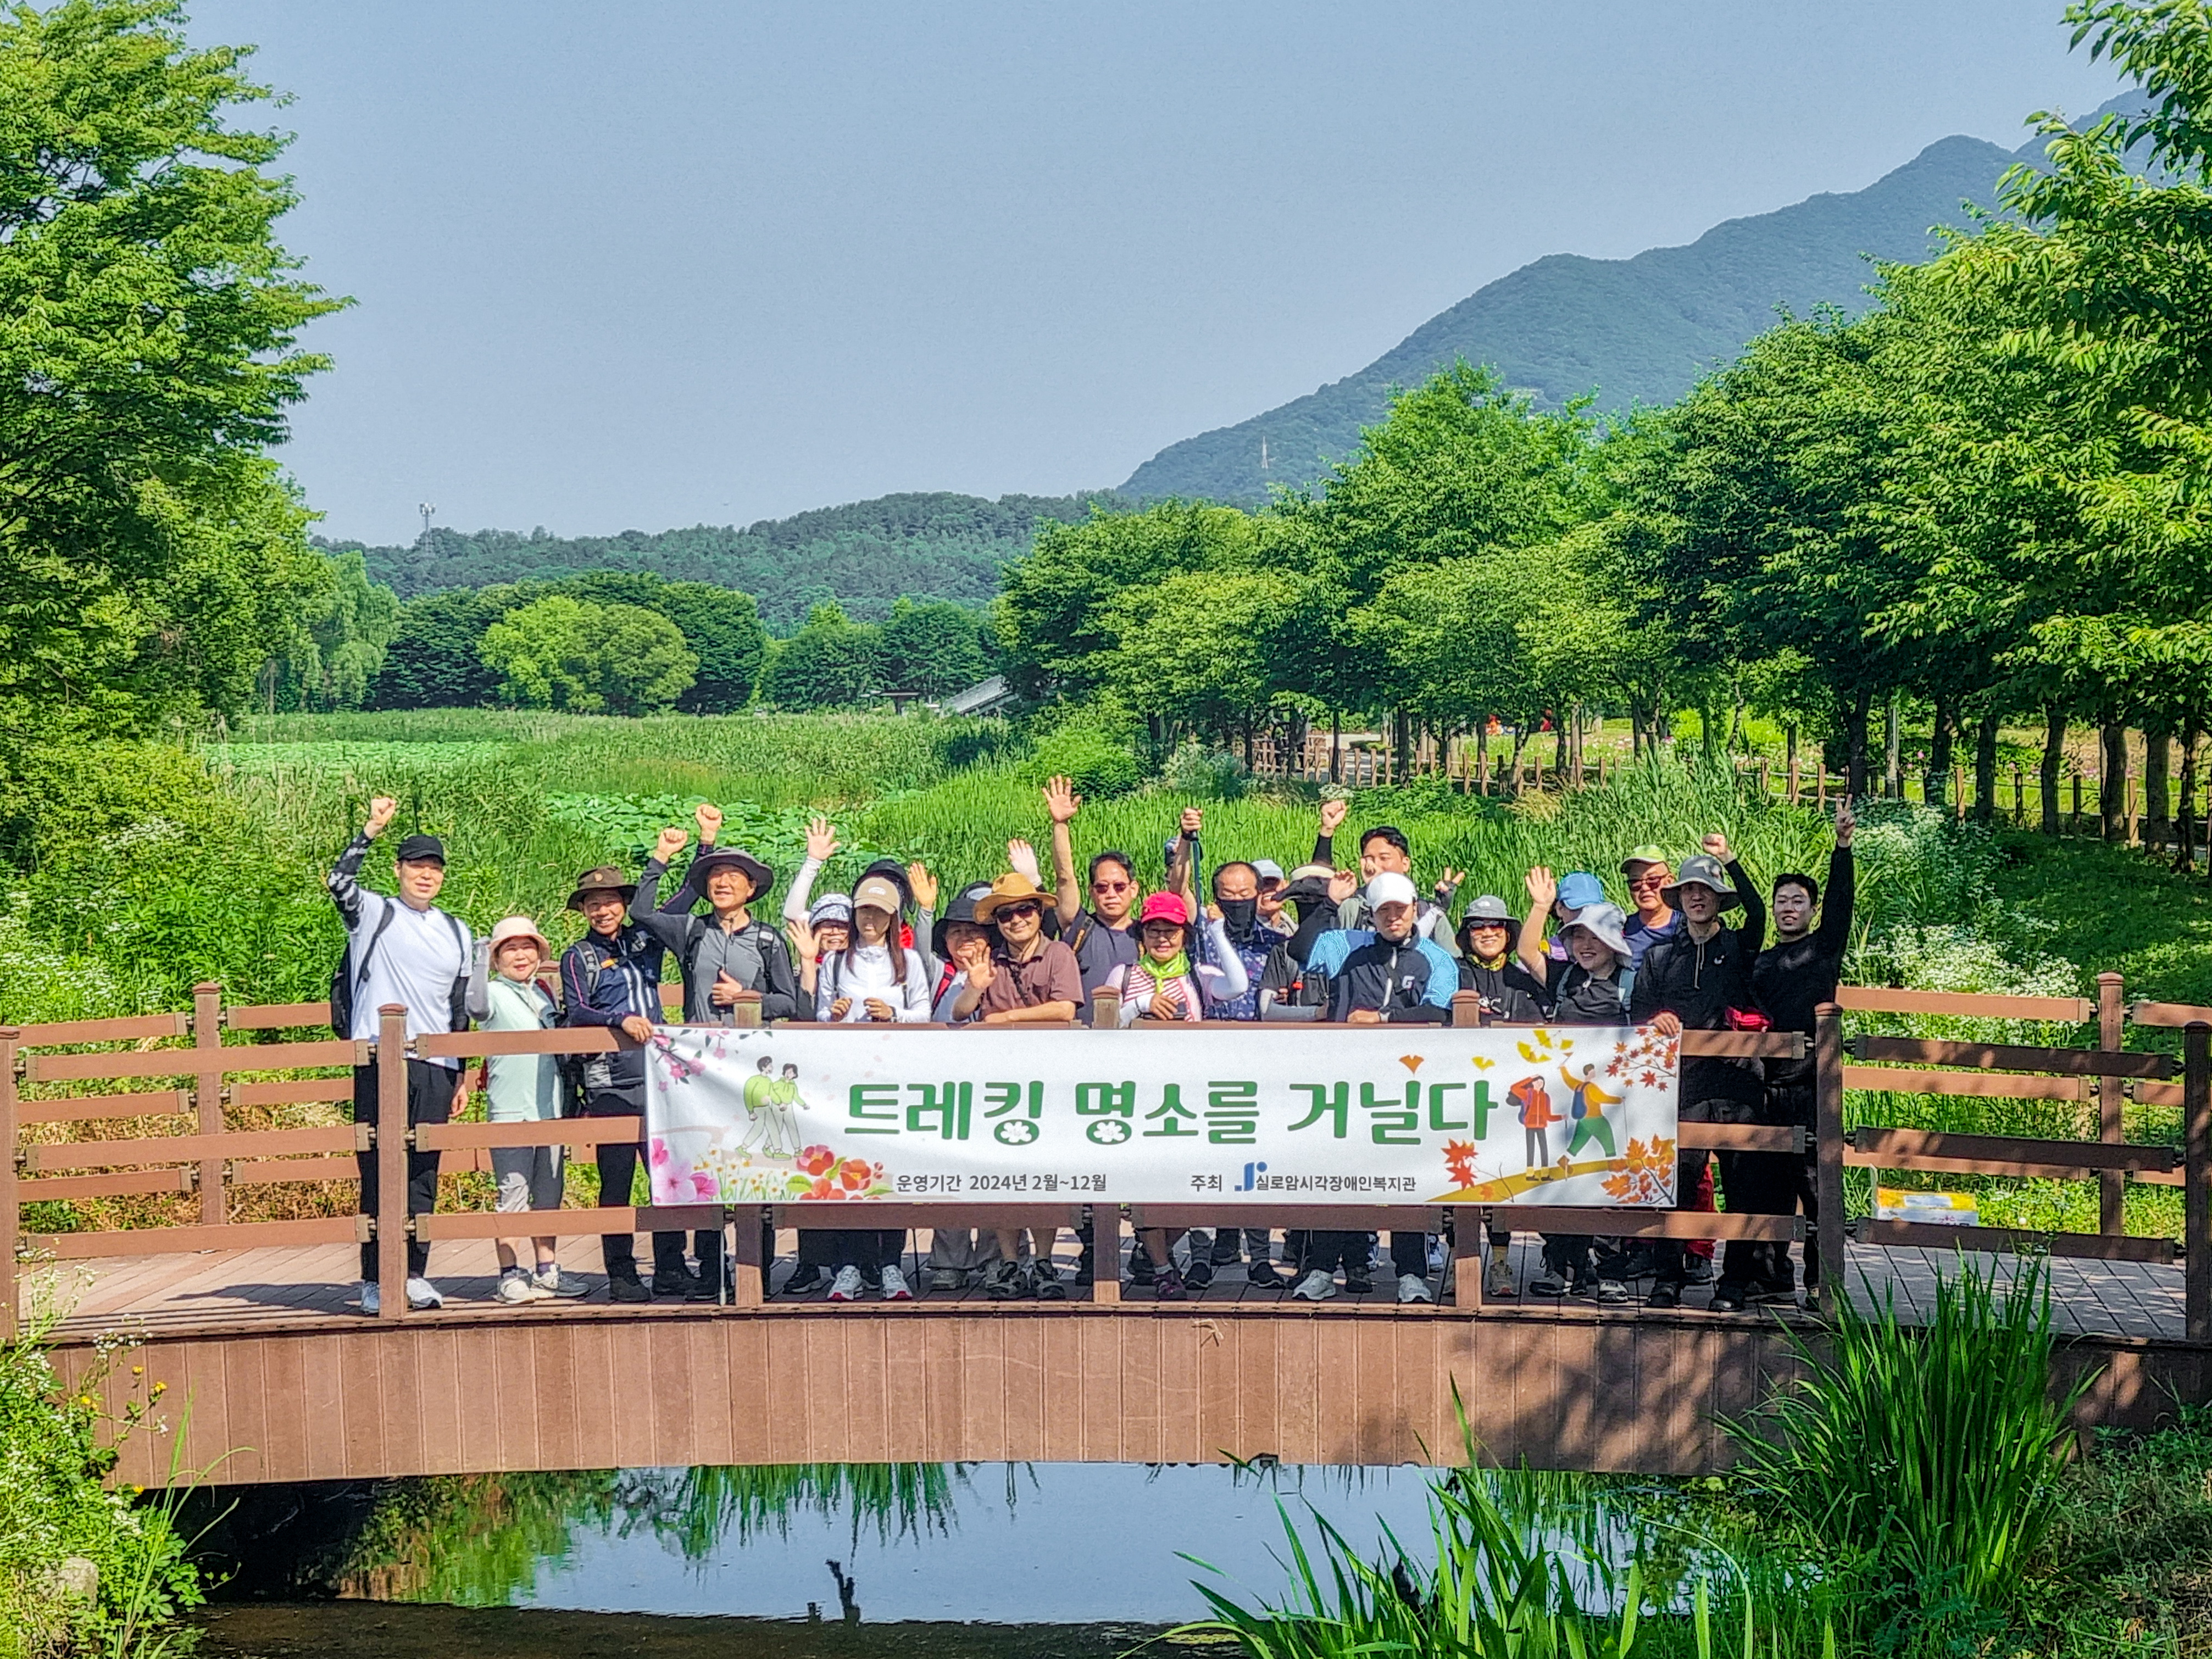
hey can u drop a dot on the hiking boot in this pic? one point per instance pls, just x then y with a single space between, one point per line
1664 1296
947 1278
1728 1299
1612 1293
1168 1286
1316 1286
706 1287
1413 1289
1696 1269
1199 1274
1224 1250
1360 1285
627 1287
804 1277
1141 1271
670 1282
1262 1275
372 1298
895 1286
1781 1293
846 1287
1551 1282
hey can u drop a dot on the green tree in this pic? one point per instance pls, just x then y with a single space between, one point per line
933 647
433 660
335 659
723 628
832 662
563 652
1202 650
150 559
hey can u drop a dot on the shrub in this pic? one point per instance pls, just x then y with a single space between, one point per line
1098 758
1206 774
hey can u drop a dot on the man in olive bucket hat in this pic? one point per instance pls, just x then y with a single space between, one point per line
611 978
1699 980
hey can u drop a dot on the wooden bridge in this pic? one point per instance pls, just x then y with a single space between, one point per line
216 1326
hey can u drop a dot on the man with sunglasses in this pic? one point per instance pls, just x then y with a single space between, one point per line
1649 875
1103 934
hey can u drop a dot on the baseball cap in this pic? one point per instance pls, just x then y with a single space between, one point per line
1389 888
421 849
877 893
1579 889
1268 869
1646 854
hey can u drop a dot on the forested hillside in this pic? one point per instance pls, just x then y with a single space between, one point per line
1633 332
865 555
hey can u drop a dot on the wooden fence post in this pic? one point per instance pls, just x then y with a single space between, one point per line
1820 789
11 1216
2111 1096
391 1150
1469 1229
2197 1197
1828 1130
748 1269
1106 1218
207 1098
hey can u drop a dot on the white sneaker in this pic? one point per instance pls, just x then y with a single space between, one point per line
421 1294
1316 1286
517 1286
1413 1289
371 1300
895 1286
846 1287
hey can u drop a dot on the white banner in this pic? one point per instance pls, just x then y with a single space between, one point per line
1346 1114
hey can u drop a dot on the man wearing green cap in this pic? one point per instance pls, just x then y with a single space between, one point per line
1647 873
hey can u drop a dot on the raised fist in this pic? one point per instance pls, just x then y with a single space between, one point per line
670 843
1332 815
381 813
710 819
1716 844
1194 820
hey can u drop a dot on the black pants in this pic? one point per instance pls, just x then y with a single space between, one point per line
1744 1182
1790 1104
617 1162
429 1100
1325 1252
1568 1255
871 1249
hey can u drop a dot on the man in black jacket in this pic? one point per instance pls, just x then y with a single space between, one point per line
1792 978
1700 975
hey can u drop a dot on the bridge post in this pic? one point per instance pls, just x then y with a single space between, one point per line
207 1098
391 1150
2196 1163
1828 1145
11 1217
748 1264
1470 1229
1106 1218
2111 1096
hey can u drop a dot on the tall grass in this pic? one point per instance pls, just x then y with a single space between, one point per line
1924 1462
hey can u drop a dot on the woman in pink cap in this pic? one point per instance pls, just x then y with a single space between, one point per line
1163 983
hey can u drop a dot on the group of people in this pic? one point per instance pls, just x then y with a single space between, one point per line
1241 939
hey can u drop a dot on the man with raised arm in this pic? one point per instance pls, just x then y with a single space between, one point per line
1791 978
1102 934
402 949
1701 978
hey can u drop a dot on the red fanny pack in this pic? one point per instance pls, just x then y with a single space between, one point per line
1748 1019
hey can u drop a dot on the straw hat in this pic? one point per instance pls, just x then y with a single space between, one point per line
1010 889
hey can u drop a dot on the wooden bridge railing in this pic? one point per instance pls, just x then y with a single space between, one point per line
214 1161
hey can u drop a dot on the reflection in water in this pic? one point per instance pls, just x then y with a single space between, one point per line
1060 1543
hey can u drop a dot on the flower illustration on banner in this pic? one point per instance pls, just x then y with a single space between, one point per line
660 1154
816 1160
822 1175
681 1069
857 1172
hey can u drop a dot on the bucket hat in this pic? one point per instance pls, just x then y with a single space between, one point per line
1604 923
602 878
1490 909
518 927
715 858
1579 889
830 907
1703 870
962 908
1013 888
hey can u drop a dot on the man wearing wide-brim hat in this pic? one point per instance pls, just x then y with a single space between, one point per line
1694 981
1027 979
611 978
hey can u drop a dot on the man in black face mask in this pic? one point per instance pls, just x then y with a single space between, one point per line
1237 903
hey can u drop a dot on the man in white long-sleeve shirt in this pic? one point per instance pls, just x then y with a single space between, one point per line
402 950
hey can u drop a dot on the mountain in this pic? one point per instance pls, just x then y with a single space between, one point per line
1632 331
864 554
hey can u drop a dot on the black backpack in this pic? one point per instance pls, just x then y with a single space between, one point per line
346 981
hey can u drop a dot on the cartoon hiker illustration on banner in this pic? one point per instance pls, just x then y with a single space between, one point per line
760 1116
783 1121
1586 1108
1533 1104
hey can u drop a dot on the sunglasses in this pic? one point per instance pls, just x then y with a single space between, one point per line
1111 886
1008 911
1647 883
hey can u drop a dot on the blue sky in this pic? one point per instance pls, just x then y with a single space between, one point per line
664 263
